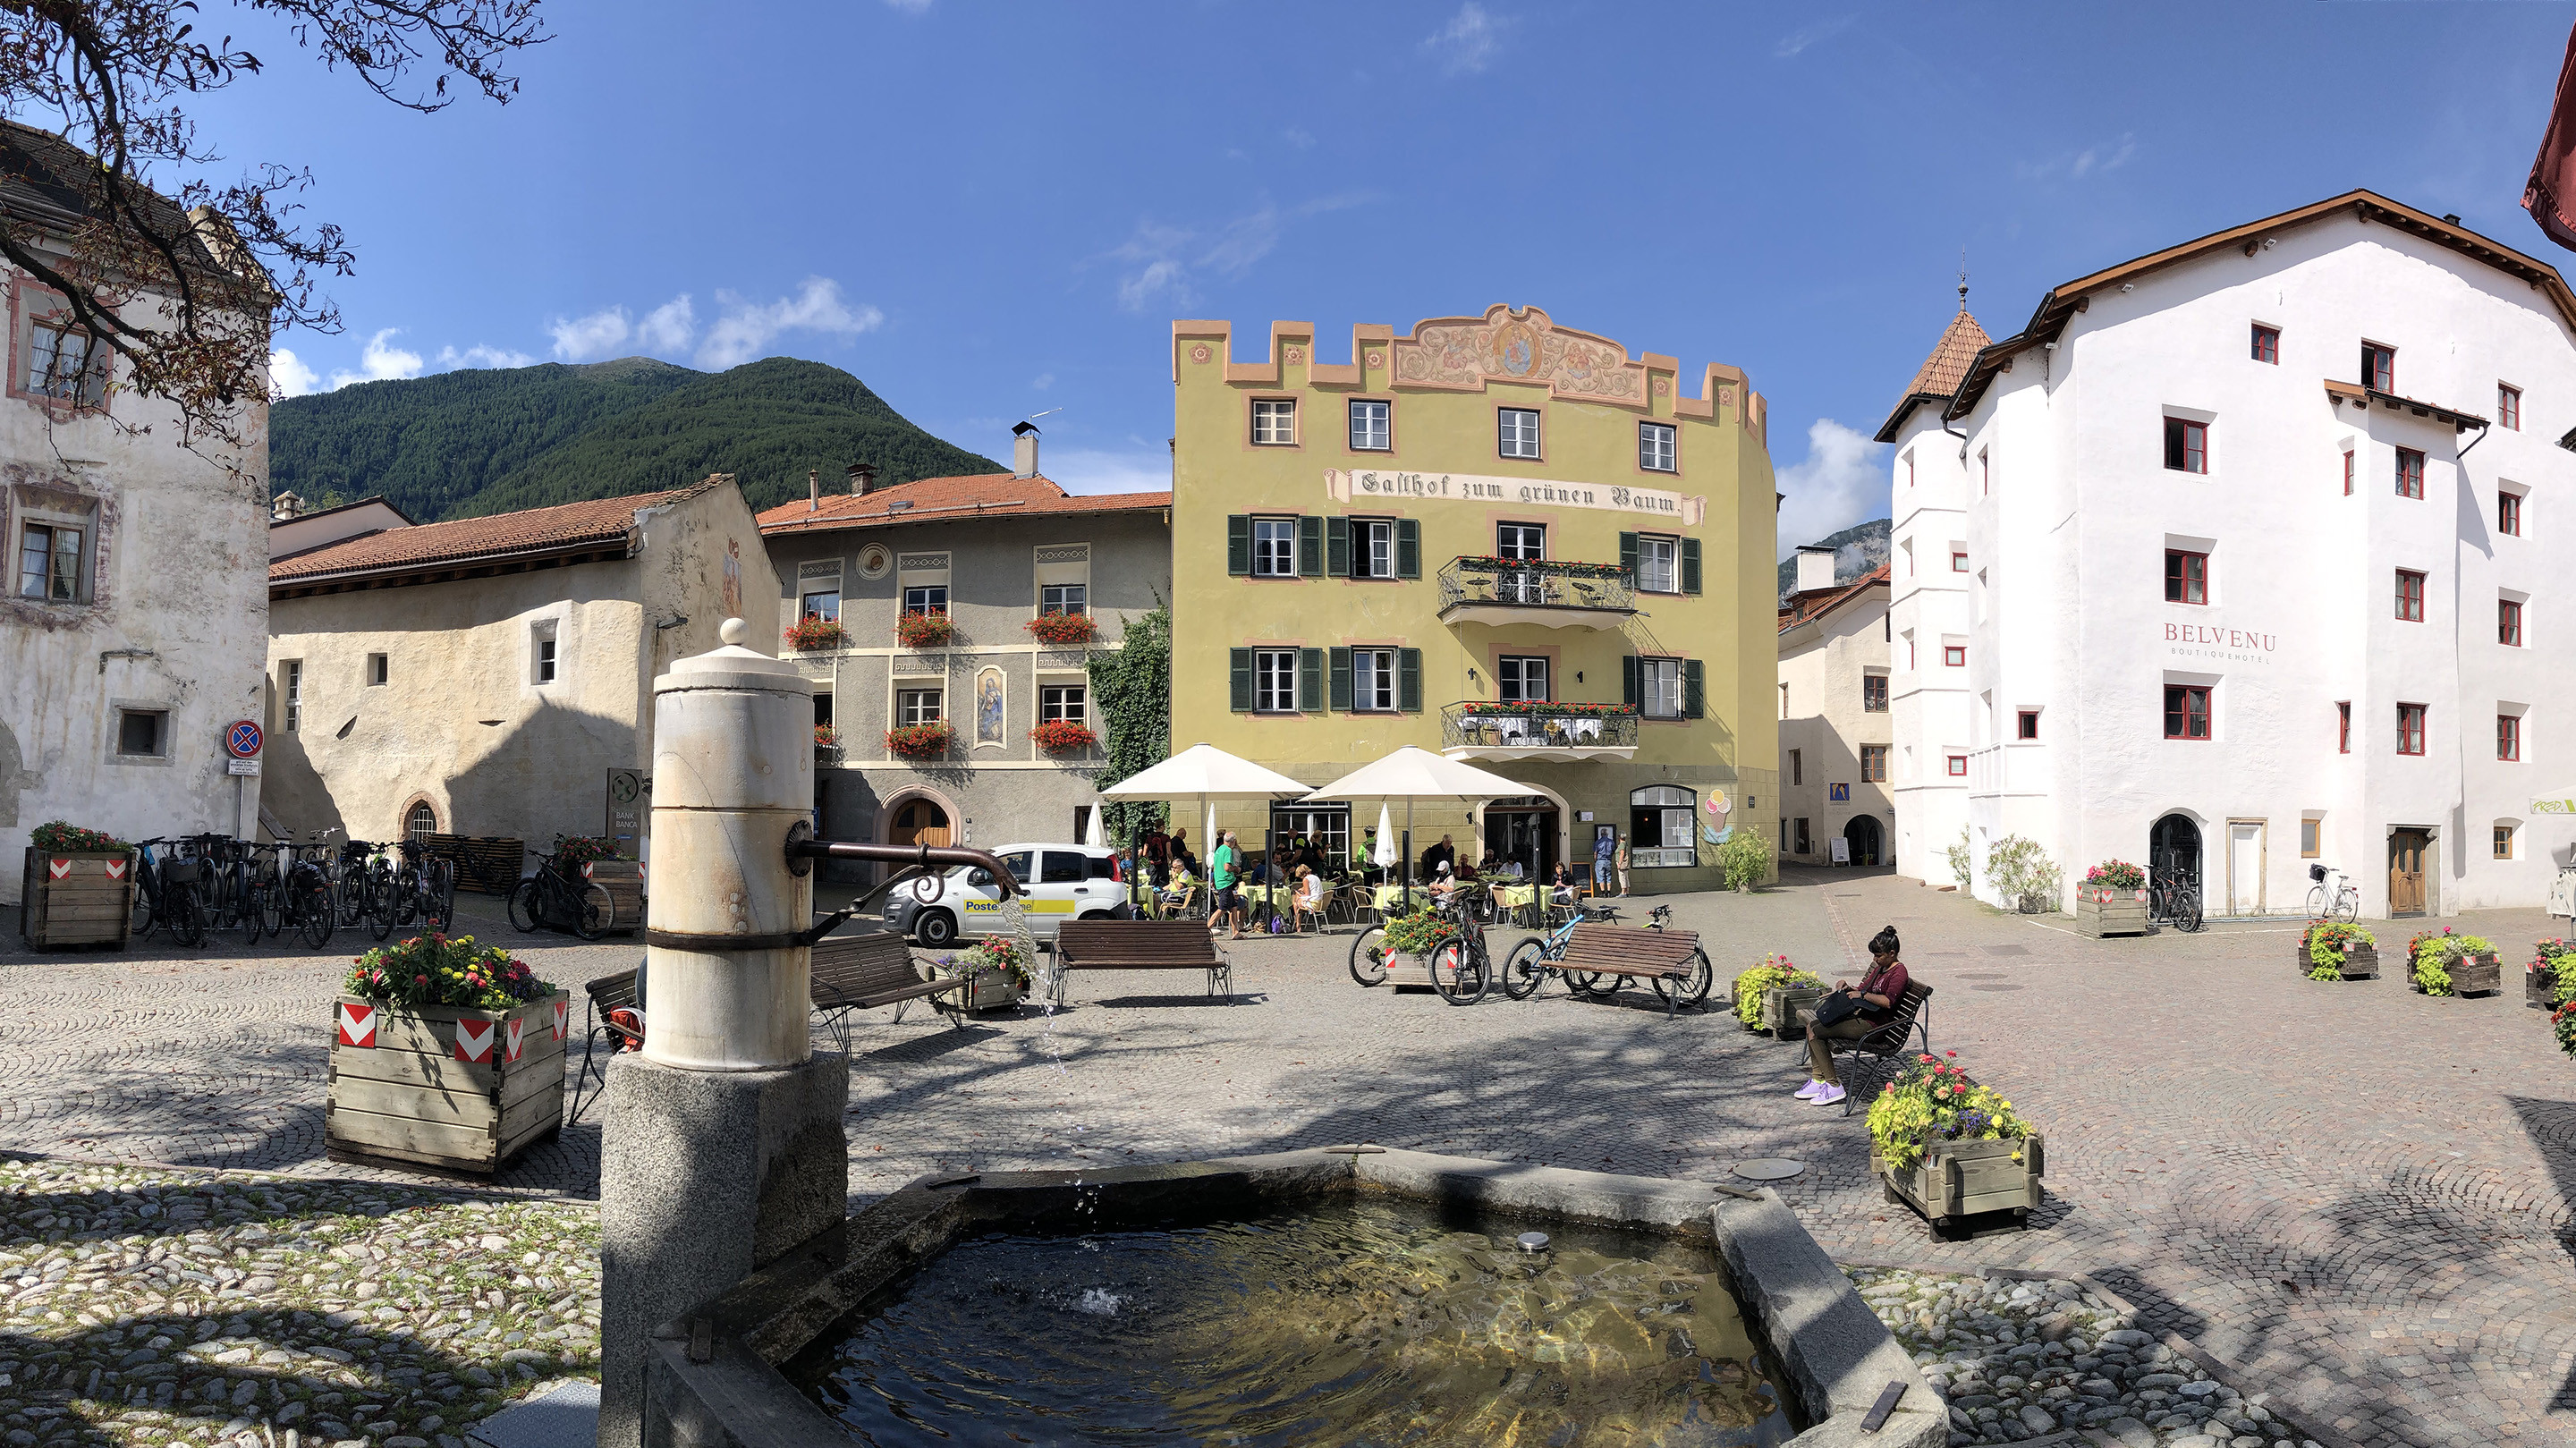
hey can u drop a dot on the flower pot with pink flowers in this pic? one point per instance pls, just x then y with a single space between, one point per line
1951 1148
446 1055
2111 899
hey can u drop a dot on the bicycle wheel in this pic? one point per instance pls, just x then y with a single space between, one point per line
2348 905
440 912
1525 969
407 893
187 919
1693 987
1587 984
2187 910
594 912
319 910
349 899
253 919
1368 956
140 927
523 905
272 908
2316 902
1458 973
382 907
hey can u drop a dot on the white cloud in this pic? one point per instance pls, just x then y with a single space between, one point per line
1169 254
2098 159
668 327
381 361
611 330
1797 41
1096 470
288 372
908 7
746 328
480 355
1298 138
1466 45
1043 381
1841 481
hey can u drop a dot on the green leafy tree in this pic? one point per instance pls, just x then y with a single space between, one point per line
1132 689
1746 859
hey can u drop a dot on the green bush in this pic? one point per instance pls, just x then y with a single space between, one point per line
2020 871
1961 860
1746 857
2326 941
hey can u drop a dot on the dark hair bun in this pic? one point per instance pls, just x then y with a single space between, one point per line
1884 942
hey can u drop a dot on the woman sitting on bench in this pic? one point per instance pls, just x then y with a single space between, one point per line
1878 993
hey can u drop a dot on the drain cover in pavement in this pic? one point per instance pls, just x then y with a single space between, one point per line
1995 987
1768 1169
2006 949
568 1417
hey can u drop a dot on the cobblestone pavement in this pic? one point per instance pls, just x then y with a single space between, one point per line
2357 1196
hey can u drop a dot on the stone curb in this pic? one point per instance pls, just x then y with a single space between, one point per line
459 1189
2218 1368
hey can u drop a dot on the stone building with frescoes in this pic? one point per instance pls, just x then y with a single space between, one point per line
1495 537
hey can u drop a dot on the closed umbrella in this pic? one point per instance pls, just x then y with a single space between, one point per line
1097 836
1411 774
1385 857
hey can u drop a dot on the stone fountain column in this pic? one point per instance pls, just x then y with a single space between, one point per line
723 1144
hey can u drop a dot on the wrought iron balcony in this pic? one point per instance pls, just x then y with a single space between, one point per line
1484 729
1551 593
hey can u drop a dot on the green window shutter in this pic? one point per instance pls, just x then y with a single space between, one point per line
1337 547
1238 547
1628 554
1310 679
1629 687
1694 691
1310 547
1408 680
1408 548
1242 669
1342 679
1690 565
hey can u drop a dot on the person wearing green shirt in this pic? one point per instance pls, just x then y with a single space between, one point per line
1223 866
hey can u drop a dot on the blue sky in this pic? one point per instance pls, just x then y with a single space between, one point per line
989 210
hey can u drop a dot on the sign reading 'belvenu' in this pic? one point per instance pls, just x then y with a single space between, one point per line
1362 486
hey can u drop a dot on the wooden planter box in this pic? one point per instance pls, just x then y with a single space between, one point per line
2110 912
1785 1009
438 1086
2477 975
993 990
1963 1178
2360 962
2537 988
624 881
73 897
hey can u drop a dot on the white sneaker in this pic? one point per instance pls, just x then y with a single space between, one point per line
1808 1091
1828 1096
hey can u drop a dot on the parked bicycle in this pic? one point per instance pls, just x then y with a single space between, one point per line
2174 900
1460 968
425 889
558 895
1536 957
165 893
2333 896
307 902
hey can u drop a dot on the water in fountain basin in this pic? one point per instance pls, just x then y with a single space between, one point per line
1349 1323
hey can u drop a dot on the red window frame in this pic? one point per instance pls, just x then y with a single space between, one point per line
2378 367
2410 729
2509 406
2026 723
2186 577
2347 472
2410 596
2343 727
1954 656
2509 622
2187 711
2267 344
2509 738
1958 766
2410 473
1958 560
2509 514
2186 446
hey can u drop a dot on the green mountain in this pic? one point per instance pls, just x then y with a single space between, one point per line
1858 549
460 444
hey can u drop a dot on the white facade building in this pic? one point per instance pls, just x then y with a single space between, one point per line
1835 732
2235 560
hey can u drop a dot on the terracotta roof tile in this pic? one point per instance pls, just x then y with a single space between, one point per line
598 520
927 500
1941 372
1806 607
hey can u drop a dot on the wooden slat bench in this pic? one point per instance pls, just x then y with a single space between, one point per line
1140 945
1672 957
1913 1016
873 968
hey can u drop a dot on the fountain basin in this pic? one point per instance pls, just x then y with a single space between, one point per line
714 1377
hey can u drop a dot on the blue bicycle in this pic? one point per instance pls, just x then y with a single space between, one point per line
1537 957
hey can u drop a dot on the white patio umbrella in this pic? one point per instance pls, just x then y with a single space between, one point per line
1207 774
1384 857
1097 836
1412 774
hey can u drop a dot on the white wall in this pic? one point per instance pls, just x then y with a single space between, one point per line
1822 665
1927 702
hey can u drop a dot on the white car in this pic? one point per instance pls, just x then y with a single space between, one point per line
1057 883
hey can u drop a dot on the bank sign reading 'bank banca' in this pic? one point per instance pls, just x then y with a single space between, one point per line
1346 487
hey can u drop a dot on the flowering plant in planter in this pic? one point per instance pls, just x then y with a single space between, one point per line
2562 1022
54 836
1062 736
577 849
2327 941
2557 960
1511 708
921 741
992 953
1064 628
1774 971
1561 568
1420 933
1934 1100
441 970
2431 957
810 633
923 630
826 737
2115 875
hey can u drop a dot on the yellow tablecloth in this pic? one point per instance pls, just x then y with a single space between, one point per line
1513 897
1387 897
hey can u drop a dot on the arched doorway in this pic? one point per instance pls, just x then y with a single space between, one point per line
2173 847
917 821
1862 834
1524 830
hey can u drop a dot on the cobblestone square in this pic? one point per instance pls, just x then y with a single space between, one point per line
2353 1196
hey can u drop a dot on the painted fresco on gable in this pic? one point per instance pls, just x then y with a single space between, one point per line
1462 352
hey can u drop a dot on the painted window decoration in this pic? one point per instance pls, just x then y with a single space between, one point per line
990 708
2343 727
2509 407
1373 680
2509 514
2410 596
2267 344
2410 728
1516 431
917 706
2186 576
2509 738
1655 450
2509 623
1274 422
2186 711
1873 764
1873 693
1274 547
2410 473
49 561
2378 367
1274 681
2186 445
1370 431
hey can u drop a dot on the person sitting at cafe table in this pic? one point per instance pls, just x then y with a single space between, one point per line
1310 897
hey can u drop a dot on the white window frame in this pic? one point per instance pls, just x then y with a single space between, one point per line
1372 425
1516 433
1373 681
1066 598
542 654
910 708
44 378
926 598
1512 674
1274 681
55 521
1068 702
1373 547
1659 551
1658 447
1274 422
290 693
1274 541
1659 687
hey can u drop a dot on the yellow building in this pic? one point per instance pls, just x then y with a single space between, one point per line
1497 538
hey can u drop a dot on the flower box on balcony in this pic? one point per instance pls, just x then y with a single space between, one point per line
812 635
1064 628
920 741
924 630
1063 736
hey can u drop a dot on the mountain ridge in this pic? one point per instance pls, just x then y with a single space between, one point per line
1857 549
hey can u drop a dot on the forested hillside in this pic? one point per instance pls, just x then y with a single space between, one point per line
489 441
1857 549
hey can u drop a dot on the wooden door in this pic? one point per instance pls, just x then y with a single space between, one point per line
919 822
2406 872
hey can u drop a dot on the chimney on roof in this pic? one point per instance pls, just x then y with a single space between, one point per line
813 489
1815 567
284 506
1024 449
863 480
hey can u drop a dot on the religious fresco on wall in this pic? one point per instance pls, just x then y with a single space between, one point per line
1518 347
988 706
